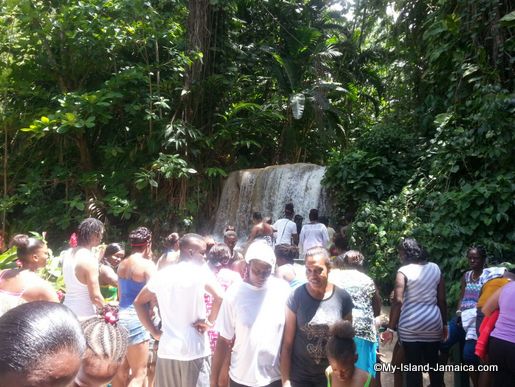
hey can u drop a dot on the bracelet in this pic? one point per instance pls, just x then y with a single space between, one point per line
390 330
208 323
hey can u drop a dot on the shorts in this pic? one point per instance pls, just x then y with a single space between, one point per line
177 373
130 321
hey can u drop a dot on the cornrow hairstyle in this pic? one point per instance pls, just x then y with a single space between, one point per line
481 250
139 237
413 250
318 250
341 341
32 331
25 245
87 229
105 339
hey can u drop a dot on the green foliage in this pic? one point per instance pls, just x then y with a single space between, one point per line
133 112
8 259
459 181
376 166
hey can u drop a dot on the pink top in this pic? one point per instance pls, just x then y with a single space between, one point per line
505 325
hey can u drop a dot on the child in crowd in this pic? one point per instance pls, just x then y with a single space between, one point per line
341 352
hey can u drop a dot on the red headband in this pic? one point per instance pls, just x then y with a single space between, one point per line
139 244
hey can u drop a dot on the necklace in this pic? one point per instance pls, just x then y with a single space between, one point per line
475 278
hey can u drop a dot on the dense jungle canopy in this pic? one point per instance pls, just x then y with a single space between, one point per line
134 111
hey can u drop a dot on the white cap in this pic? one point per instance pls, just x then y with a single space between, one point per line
262 251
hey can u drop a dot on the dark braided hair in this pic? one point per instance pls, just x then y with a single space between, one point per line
413 250
104 337
87 229
341 341
139 237
481 250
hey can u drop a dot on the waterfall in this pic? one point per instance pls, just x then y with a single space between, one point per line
267 190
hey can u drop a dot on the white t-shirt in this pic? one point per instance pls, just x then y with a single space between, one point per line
285 229
312 235
180 290
256 316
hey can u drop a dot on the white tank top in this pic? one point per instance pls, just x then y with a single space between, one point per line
77 295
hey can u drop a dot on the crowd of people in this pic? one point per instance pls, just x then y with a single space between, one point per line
215 313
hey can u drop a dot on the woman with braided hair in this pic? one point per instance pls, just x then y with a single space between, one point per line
419 311
106 346
462 328
133 273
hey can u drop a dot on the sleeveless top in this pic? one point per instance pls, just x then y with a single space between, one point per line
129 289
330 380
77 294
420 318
109 292
473 286
9 300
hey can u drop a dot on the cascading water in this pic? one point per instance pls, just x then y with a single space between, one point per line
267 190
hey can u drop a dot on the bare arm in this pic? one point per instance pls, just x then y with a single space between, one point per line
222 351
214 288
301 241
395 311
398 297
462 290
442 305
253 233
107 276
287 346
88 269
442 302
492 303
295 238
376 302
141 304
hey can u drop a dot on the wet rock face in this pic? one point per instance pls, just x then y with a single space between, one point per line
267 190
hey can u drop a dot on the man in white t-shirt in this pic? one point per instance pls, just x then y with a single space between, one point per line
253 311
285 229
183 357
